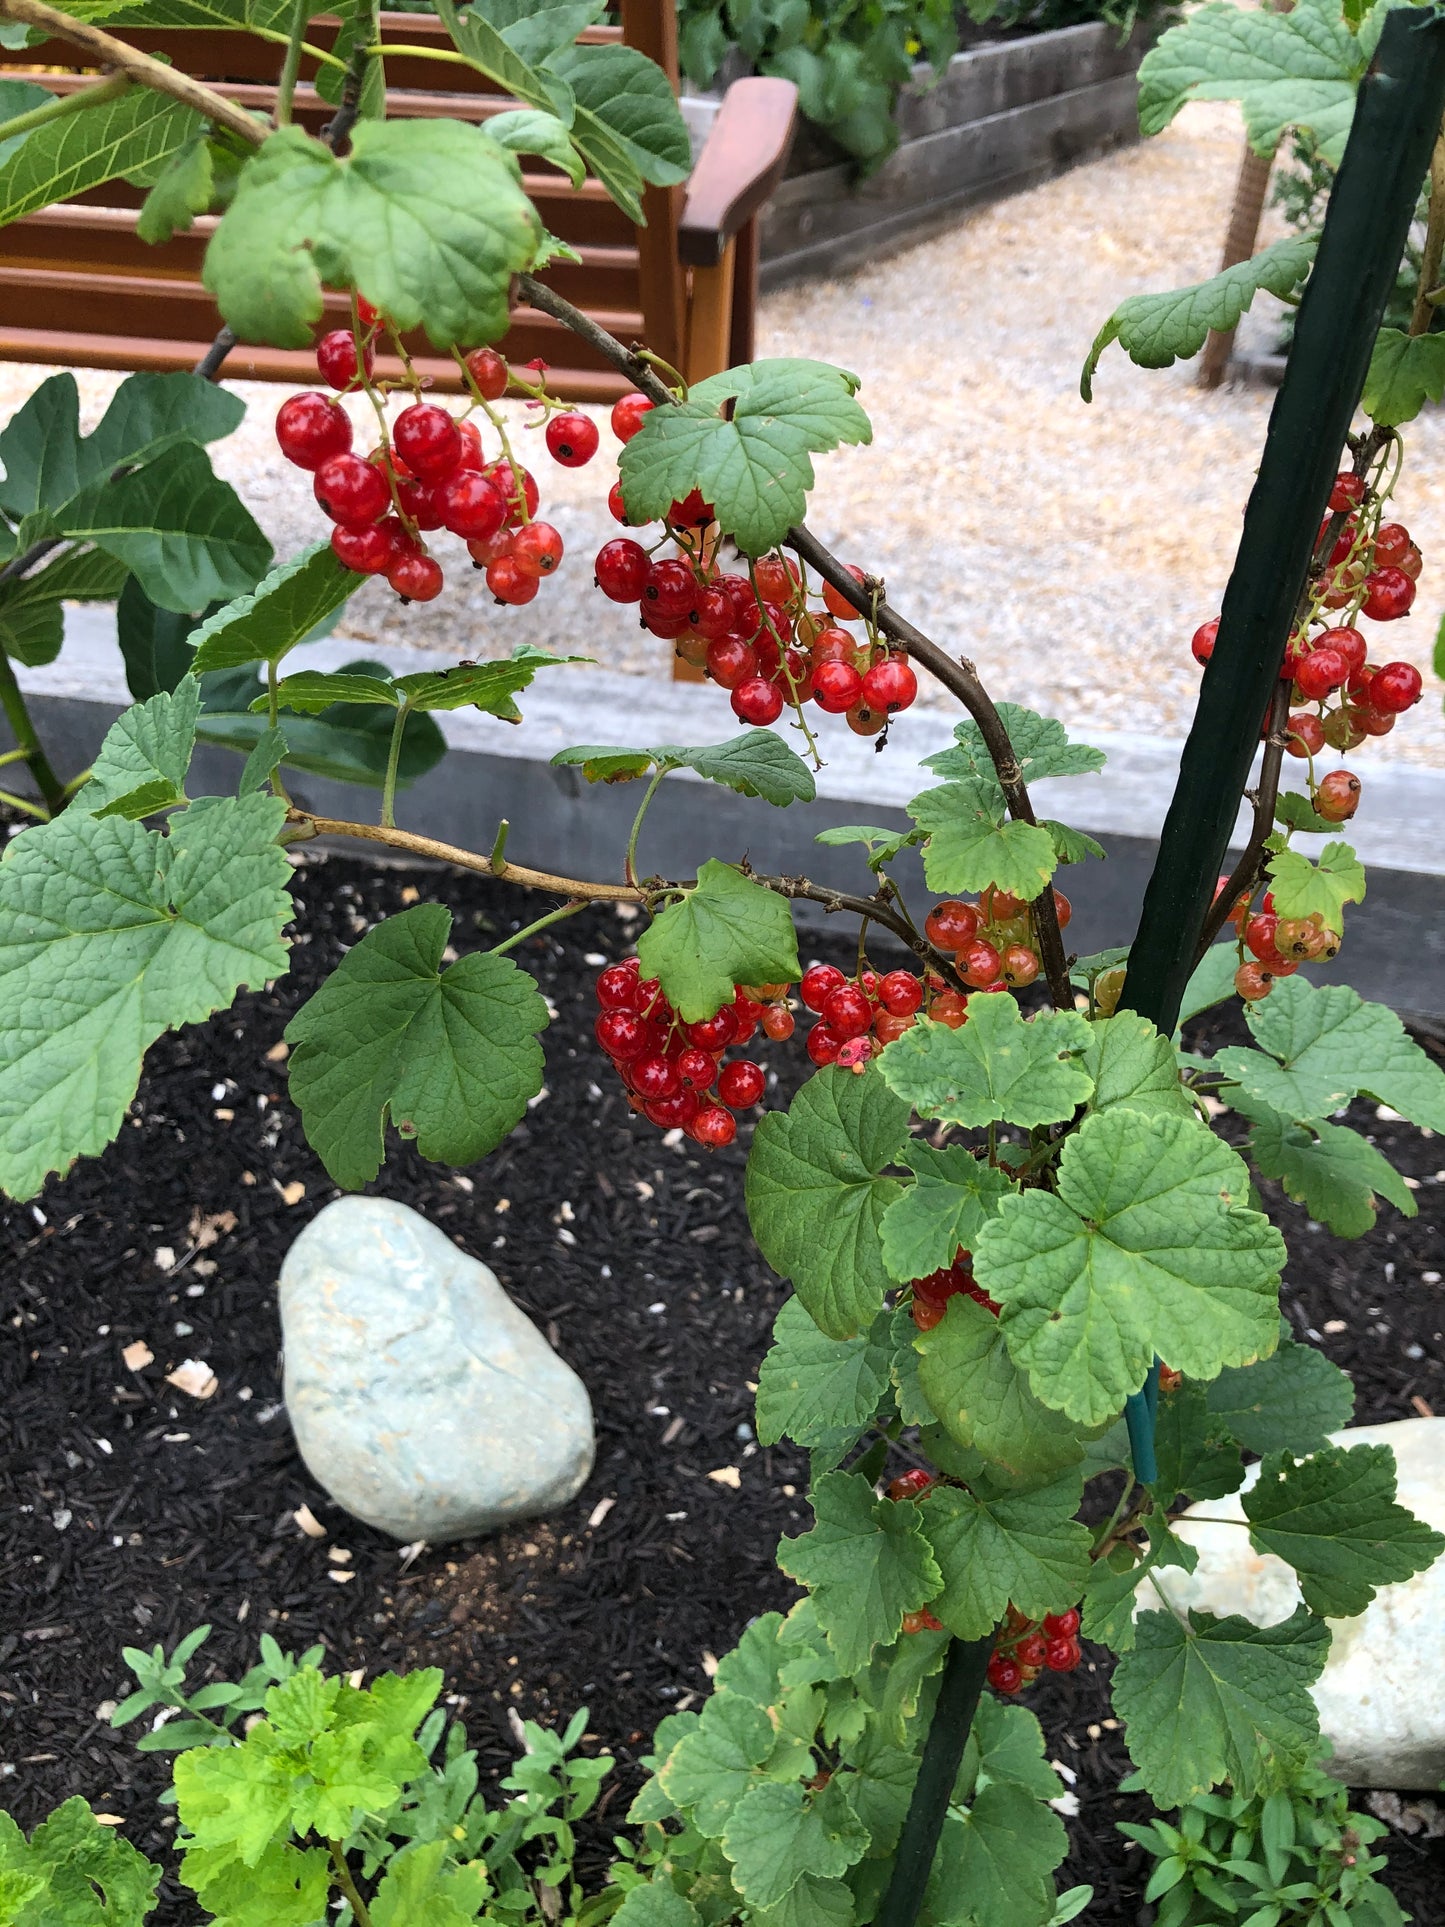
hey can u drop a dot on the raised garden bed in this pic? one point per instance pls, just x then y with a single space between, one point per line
1004 116
619 1614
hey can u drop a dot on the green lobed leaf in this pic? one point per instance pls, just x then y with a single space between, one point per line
287 1887
811 1387
1148 1249
1156 330
1040 745
993 1547
284 608
487 686
313 690
1199 1697
994 1068
1297 813
1133 1066
1107 1608
517 60
994 1865
424 1887
1303 888
109 935
1006 1743
625 120
953 1194
1331 1045
141 766
815 1196
865 1562
183 531
154 642
753 463
882 845
1071 846
656 1904
451 1055
751 1668
63 159
349 741
1331 1170
1291 70
973 845
757 763
73 1872
1195 1451
184 189
527 130
1211 982
1289 1401
711 1768
426 218
983 1399
1333 1517
778 1834
726 930
32 620
1406 371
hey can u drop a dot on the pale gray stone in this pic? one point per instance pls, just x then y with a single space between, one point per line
1376 1697
421 1398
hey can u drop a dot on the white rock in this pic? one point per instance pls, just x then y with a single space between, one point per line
1377 1697
421 1398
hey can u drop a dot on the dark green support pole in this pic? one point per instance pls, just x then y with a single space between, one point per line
1398 115
953 1711
1396 121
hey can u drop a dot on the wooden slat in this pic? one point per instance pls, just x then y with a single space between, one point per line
652 29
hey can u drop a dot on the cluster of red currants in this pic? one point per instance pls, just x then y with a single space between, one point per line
1371 569
431 472
754 633
993 942
1027 1647
674 1071
931 1294
1277 945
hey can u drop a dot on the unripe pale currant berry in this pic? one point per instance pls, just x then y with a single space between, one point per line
1020 965
311 428
415 577
572 440
777 1022
1253 982
428 440
1395 687
1337 796
979 963
488 370
628 415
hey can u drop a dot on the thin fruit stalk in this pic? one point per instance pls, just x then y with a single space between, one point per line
1396 119
958 1695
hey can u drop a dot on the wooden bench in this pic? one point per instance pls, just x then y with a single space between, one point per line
78 288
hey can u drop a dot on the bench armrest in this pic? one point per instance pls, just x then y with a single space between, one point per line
741 163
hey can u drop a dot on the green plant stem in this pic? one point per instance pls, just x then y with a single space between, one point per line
393 760
284 40
629 869
291 66
360 1916
62 104
383 47
51 789
530 929
953 1711
23 803
1423 312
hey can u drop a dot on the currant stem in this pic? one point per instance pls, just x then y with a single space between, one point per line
61 104
360 1916
291 66
27 741
541 923
629 866
1424 310
393 761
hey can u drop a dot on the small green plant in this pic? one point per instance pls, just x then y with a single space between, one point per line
1291 1854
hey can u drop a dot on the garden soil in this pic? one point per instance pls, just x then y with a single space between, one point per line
134 1511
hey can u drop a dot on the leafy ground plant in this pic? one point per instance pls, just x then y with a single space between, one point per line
1036 1303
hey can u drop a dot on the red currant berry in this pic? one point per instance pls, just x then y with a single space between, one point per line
698 1068
311 428
1348 643
619 986
1061 1625
713 1127
900 993
668 627
351 491
848 1012
418 503
427 440
911 1484
469 505
692 512
926 1314
1020 965
366 550
757 701
572 440
622 1034
823 1045
1392 545
1031 1650
1388 595
1319 672
415 577
922 1622
1395 687
656 1077
628 414
336 358
488 370
1259 939
367 315
669 1112
731 661
1202 643
1347 493
837 604
537 548
712 614
473 454
742 1084
1412 562
616 507
950 925
1062 1655
620 570
484 554
518 486
1306 734
670 589
714 1033
979 963
818 984
864 721
837 687
1005 1675
777 1022
778 579
1338 796
509 582
1253 982
890 685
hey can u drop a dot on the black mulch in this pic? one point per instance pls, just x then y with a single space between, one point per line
135 1512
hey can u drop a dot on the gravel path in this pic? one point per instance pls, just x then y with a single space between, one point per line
1070 550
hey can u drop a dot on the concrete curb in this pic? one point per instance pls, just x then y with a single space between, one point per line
1395 953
